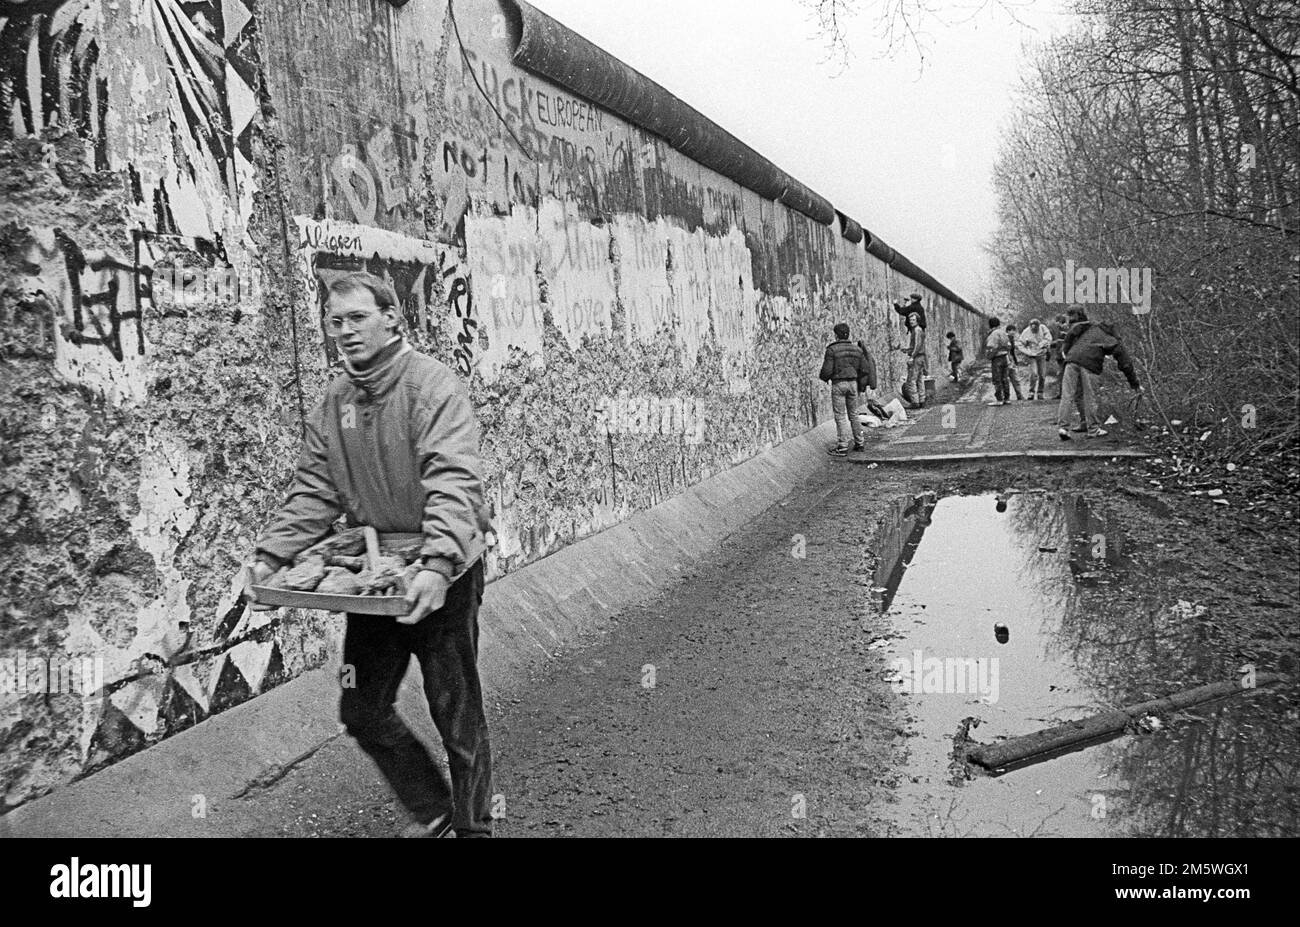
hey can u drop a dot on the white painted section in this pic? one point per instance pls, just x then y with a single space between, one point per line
502 257
574 257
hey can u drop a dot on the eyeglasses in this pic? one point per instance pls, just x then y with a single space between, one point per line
355 320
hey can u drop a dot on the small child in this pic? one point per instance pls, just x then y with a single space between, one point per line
955 354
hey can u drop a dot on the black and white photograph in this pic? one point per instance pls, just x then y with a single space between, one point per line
871 419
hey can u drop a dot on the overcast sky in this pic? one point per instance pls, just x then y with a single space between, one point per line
871 136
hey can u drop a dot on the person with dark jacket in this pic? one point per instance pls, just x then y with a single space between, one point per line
955 354
1058 327
913 305
998 348
1085 348
844 366
1013 358
393 444
869 381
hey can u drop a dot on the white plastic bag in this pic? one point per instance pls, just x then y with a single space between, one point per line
896 412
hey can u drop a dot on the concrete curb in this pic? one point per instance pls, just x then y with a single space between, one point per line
527 618
1043 454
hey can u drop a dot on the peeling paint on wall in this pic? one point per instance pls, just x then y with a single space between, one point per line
627 321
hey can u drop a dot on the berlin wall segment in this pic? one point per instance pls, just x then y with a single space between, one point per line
629 322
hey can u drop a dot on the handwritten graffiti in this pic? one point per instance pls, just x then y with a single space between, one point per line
537 141
432 287
502 252
375 180
99 302
461 302
86 307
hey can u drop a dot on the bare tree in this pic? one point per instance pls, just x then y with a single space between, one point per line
1162 134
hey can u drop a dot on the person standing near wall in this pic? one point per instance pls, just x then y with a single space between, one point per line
998 348
917 363
955 355
843 367
1034 343
1013 359
912 307
1086 346
393 444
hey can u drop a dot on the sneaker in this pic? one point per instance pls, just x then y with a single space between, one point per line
995 402
859 447
438 827
1079 429
1097 432
1063 434
838 452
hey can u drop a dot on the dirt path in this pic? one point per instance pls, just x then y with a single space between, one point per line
745 701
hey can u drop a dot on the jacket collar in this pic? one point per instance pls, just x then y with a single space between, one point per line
379 376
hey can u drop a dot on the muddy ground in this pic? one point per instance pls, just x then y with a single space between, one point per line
745 701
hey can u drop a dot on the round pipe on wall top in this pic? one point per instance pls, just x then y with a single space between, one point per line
849 228
560 55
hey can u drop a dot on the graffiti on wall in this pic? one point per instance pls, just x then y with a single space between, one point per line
672 284
573 258
96 300
523 141
378 181
690 286
502 254
432 285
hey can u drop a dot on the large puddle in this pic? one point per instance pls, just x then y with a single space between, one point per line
1010 614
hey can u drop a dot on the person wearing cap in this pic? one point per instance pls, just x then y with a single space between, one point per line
844 366
913 305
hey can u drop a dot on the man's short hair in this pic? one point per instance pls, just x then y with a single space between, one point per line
951 335
994 322
841 330
1076 315
915 296
383 292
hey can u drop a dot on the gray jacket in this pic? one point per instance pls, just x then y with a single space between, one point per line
394 447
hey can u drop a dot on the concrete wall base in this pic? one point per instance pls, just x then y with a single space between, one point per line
528 618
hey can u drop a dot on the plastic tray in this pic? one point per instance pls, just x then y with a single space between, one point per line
357 604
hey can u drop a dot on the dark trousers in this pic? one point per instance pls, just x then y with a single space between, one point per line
1001 389
955 364
1014 380
377 650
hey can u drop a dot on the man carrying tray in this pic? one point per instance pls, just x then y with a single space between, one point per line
393 444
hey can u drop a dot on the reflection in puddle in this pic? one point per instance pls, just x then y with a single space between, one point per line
1009 618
